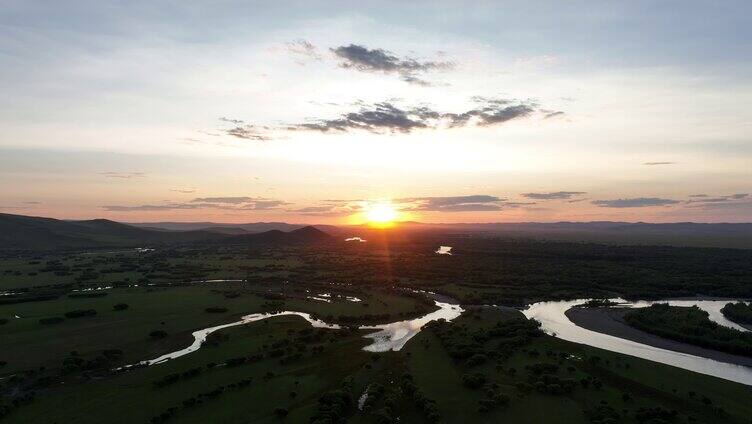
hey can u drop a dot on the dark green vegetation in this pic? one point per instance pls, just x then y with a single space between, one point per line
487 366
690 325
70 318
739 312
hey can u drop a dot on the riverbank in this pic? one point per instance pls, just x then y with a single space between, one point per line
610 321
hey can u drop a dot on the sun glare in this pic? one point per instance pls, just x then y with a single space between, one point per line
381 214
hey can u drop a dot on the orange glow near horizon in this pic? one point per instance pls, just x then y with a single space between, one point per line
378 215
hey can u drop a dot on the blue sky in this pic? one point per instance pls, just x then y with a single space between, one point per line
133 110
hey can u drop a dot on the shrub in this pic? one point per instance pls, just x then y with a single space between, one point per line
158 334
79 313
120 307
216 310
51 320
474 380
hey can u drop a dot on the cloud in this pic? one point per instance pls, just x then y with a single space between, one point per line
658 163
556 195
637 202
698 195
477 202
378 60
264 204
230 200
303 51
249 132
717 199
183 190
124 175
226 203
333 208
553 114
232 121
386 117
168 206
377 118
363 59
33 203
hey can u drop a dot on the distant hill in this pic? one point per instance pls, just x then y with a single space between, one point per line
308 234
37 233
18 232
240 228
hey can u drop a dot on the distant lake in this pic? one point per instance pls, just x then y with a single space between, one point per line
444 250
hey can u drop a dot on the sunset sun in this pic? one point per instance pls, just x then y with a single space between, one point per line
381 214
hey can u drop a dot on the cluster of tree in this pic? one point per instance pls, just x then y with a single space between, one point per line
120 306
494 398
657 414
216 310
80 313
104 360
175 377
507 271
90 294
739 312
51 320
470 346
426 406
192 402
598 303
603 414
335 406
158 334
690 325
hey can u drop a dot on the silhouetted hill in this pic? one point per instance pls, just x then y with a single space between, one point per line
37 233
307 234
251 227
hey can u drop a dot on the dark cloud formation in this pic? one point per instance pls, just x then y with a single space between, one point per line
370 60
658 163
226 203
386 117
363 59
556 195
638 202
124 175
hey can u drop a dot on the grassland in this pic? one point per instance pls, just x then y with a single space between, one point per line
295 371
489 365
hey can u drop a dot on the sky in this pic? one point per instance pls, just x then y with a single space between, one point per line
315 111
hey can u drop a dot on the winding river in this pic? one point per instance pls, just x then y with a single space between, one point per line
394 336
554 321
